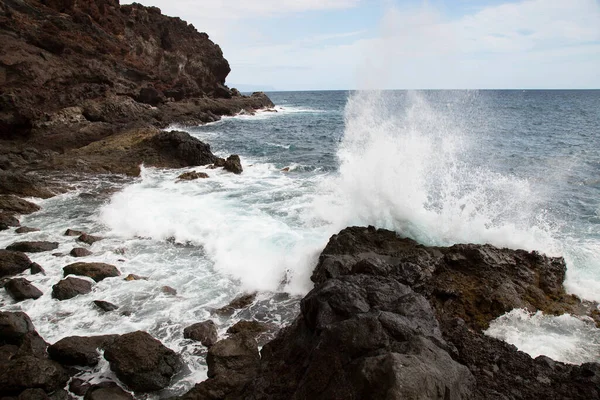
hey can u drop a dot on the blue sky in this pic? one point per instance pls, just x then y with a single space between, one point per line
387 44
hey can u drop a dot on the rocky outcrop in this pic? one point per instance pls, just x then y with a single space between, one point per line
70 287
76 73
204 332
13 263
96 271
233 164
389 318
14 204
143 363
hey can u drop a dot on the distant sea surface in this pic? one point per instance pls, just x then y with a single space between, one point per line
517 169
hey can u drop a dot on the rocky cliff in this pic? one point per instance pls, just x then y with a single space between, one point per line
73 72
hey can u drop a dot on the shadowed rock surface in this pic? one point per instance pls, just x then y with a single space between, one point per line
13 262
204 332
17 205
79 350
21 289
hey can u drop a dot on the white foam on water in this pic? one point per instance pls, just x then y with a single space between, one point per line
562 338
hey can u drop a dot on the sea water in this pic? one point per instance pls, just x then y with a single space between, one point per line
517 169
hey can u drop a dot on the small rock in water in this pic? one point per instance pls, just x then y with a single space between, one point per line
134 277
168 290
96 271
8 219
72 232
26 229
192 175
89 239
33 247
203 332
58 254
36 268
105 305
70 287
3 226
80 252
233 164
21 289
13 262
238 303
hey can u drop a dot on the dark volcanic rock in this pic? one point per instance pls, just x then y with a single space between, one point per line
21 289
255 329
27 372
33 247
233 164
107 391
88 239
204 332
96 271
238 303
192 175
70 287
14 326
22 185
142 362
8 219
105 305
36 268
13 262
79 350
26 229
80 252
17 205
71 232
181 146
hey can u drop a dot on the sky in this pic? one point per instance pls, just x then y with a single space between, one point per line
396 44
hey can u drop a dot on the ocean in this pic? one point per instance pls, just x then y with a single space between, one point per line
517 169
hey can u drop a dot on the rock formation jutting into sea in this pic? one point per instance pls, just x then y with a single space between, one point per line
89 87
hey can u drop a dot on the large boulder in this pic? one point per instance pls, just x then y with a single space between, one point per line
17 205
13 262
143 363
233 164
33 247
29 372
14 326
70 287
79 350
96 271
177 145
21 289
204 332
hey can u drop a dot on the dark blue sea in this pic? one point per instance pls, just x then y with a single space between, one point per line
517 169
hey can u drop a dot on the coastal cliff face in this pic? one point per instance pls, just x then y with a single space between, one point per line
75 72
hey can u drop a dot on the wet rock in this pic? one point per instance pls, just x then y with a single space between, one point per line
96 271
233 164
105 305
7 219
4 227
33 394
88 239
107 391
33 247
204 332
192 175
19 184
238 303
70 287
21 289
32 345
80 252
71 232
17 205
26 229
143 363
14 326
29 372
78 386
168 290
13 263
260 331
182 146
134 277
79 350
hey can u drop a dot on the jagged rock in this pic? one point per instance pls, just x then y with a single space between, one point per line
96 271
150 95
19 184
14 326
107 391
105 305
80 252
7 219
28 372
21 289
142 362
13 262
79 350
252 328
238 303
70 287
36 268
26 229
204 332
88 239
15 204
71 232
233 164
177 145
192 175
33 247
